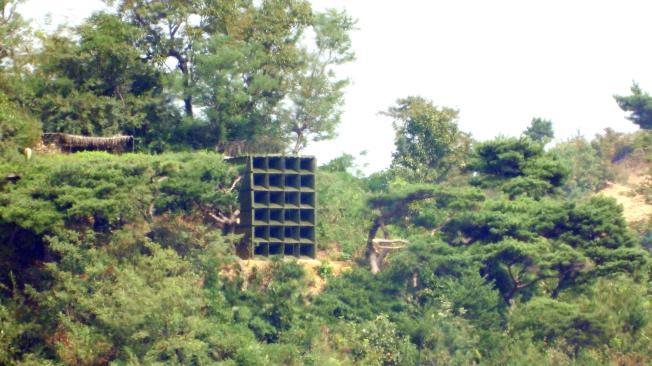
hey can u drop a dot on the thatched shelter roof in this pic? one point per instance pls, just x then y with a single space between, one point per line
78 142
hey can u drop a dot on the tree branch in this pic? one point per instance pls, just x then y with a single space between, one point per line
233 185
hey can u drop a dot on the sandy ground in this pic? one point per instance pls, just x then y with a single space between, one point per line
635 207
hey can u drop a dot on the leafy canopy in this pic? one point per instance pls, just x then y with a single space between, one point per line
429 144
540 130
519 166
639 106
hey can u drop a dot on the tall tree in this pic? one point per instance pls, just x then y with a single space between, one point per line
316 95
238 96
100 85
523 242
588 171
245 69
411 203
248 67
639 106
14 34
428 141
170 30
540 130
16 52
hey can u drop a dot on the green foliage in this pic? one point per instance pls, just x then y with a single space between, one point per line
505 157
325 270
148 306
100 86
110 259
550 320
639 105
435 273
444 338
244 71
342 223
343 163
525 242
14 36
428 142
588 172
231 115
540 131
78 232
18 129
377 342
116 260
623 306
111 188
195 182
357 296
317 95
89 197
623 153
15 329
411 208
518 166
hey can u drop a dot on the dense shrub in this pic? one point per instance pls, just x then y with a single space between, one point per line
18 129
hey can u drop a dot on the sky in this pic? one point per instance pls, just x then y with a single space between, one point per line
500 63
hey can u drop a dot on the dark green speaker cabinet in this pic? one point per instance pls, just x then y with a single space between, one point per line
278 206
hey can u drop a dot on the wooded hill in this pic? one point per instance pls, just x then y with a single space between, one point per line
463 252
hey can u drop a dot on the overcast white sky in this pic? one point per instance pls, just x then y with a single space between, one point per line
499 62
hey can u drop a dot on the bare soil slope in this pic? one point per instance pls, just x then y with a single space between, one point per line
636 208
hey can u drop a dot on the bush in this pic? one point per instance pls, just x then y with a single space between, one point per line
18 129
589 172
343 215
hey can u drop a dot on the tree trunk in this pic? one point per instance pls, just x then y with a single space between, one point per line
185 71
374 262
297 145
371 253
561 282
376 252
187 104
375 256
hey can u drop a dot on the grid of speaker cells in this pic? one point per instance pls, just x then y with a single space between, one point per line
279 205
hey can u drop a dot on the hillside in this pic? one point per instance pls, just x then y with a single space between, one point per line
636 207
124 202
109 258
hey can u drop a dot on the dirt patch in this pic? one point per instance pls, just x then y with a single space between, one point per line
635 206
315 281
